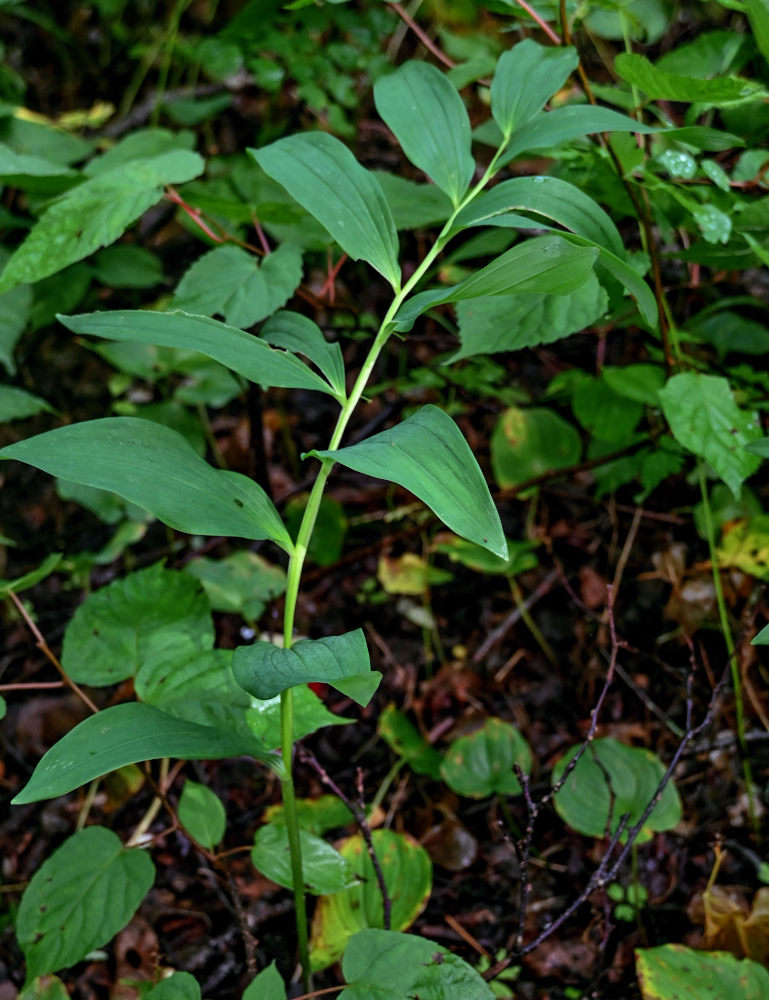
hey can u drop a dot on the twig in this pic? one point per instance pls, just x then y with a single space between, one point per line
543 24
422 35
514 616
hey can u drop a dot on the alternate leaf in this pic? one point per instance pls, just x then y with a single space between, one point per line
324 869
427 455
342 661
154 467
241 352
428 118
481 764
525 77
321 173
301 335
705 420
202 814
86 891
127 734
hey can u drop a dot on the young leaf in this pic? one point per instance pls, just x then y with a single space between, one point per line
241 352
297 333
342 661
155 467
324 869
79 898
428 118
202 814
128 734
321 174
268 985
705 419
427 455
525 77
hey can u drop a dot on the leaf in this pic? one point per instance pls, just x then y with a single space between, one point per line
481 764
33 173
241 583
202 814
34 576
525 77
15 310
405 740
324 869
94 214
241 352
231 282
590 806
327 542
658 84
45 988
297 333
704 419
321 174
604 413
527 443
342 661
178 986
128 734
86 891
310 714
413 206
758 19
429 119
407 872
112 632
155 468
543 264
268 985
386 965
128 266
673 970
762 639
427 455
316 815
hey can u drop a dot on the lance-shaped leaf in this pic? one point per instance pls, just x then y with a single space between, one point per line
659 84
241 352
428 118
544 264
322 174
297 333
127 734
155 468
525 77
342 661
427 455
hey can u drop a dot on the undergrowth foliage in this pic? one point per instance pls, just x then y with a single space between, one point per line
671 157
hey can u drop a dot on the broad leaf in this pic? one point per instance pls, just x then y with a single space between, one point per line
18 404
45 988
94 214
310 714
33 173
527 443
202 814
128 734
241 352
155 467
705 419
525 77
543 264
428 118
659 84
406 741
316 815
79 898
673 970
322 174
342 661
386 965
268 985
299 334
241 583
178 986
427 455
758 18
15 310
324 869
481 764
413 205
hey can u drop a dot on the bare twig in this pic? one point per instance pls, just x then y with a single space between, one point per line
514 616
422 35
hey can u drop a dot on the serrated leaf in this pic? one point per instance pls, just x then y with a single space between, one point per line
94 214
79 898
342 661
673 970
324 869
299 334
268 985
241 352
321 173
230 282
704 419
428 118
481 764
128 734
202 814
659 84
155 468
427 455
526 76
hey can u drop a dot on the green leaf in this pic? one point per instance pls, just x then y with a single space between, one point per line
47 567
45 988
268 985
231 282
673 970
310 714
86 891
428 118
316 815
481 764
128 734
112 632
33 173
589 805
327 541
386 965
342 661
543 264
15 309
155 468
520 555
704 419
407 872
297 333
759 447
526 76
762 639
527 443
640 382
658 84
94 214
405 740
413 206
758 19
241 583
607 415
128 266
202 814
321 174
325 870
427 455
178 986
241 352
